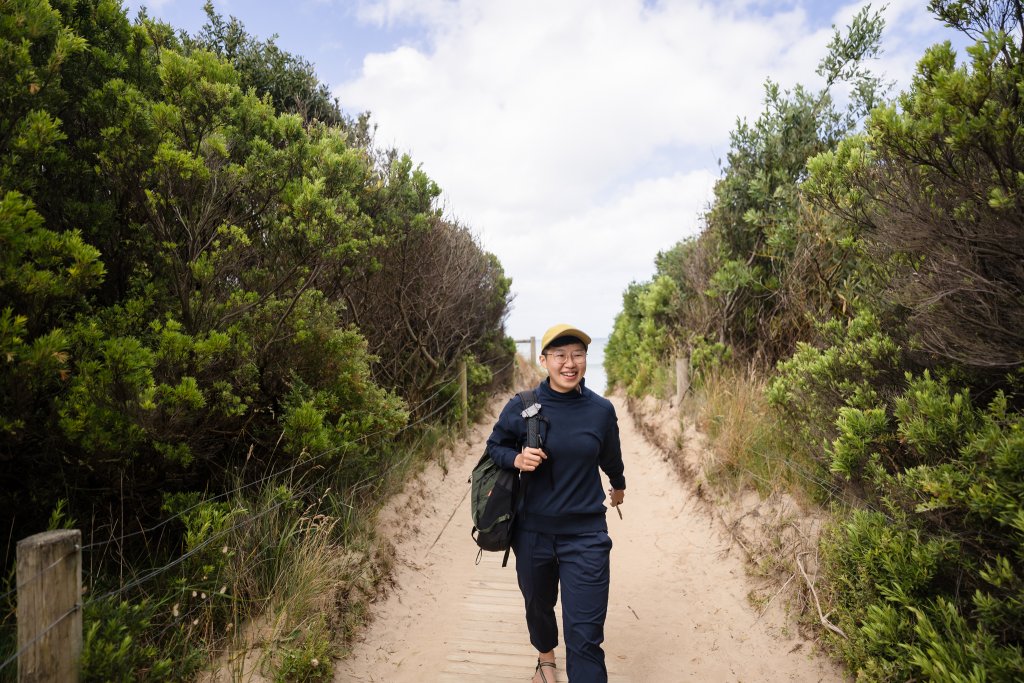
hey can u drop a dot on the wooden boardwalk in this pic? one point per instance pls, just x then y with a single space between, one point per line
492 643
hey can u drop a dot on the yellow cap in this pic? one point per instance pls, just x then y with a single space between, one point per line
563 330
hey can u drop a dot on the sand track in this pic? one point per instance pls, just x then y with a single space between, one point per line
678 610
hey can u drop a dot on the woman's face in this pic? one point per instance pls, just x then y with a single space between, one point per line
566 366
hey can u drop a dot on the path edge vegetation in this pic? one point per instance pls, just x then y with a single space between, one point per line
230 327
852 315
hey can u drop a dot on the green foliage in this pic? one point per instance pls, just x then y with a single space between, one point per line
44 275
915 590
885 577
289 80
186 224
935 184
707 359
941 449
932 421
855 367
861 437
878 273
478 378
308 660
937 591
768 265
115 646
640 343
872 567
772 270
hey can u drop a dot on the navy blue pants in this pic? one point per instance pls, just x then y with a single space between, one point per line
580 562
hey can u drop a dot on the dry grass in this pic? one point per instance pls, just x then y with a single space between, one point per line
315 571
526 374
750 443
758 484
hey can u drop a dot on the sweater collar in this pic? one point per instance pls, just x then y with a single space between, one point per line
548 392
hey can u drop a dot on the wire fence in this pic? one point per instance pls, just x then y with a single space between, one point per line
39 637
221 534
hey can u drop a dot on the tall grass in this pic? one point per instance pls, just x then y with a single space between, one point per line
271 584
302 570
751 445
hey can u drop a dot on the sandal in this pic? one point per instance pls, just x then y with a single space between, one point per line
540 665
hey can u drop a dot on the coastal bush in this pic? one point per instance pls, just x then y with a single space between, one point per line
187 227
869 263
854 365
640 343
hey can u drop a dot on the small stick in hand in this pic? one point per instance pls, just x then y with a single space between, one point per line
618 507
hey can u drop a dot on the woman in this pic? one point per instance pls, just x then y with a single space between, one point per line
561 535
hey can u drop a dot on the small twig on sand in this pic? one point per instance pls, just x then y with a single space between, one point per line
731 528
634 613
824 622
768 604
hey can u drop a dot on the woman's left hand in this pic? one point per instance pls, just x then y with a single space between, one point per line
615 496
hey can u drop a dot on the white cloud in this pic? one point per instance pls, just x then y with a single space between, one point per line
576 269
592 125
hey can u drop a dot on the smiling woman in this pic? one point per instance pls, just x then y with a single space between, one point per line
561 537
596 377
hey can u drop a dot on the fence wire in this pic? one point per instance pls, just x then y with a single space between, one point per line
153 573
42 634
223 533
290 470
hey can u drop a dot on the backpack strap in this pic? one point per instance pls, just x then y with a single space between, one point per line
531 413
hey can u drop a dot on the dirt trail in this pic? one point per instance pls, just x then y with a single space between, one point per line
678 609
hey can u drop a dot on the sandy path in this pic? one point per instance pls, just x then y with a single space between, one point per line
678 607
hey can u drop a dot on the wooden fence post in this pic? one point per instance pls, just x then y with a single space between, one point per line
464 391
49 584
682 376
533 351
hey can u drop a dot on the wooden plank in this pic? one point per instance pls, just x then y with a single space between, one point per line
487 672
508 647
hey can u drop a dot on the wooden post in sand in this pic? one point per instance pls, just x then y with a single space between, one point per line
464 395
49 580
682 376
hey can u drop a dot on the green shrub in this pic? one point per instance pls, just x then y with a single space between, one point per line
855 366
640 344
873 567
863 434
118 644
707 358
932 587
307 661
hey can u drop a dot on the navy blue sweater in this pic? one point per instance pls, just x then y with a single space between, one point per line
580 433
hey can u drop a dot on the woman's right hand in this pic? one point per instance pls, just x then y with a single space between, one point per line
530 459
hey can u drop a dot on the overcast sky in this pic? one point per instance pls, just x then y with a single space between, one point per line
575 138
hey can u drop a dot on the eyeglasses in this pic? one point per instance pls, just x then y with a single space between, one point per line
561 356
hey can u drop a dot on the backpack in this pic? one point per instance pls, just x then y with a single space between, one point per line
495 492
